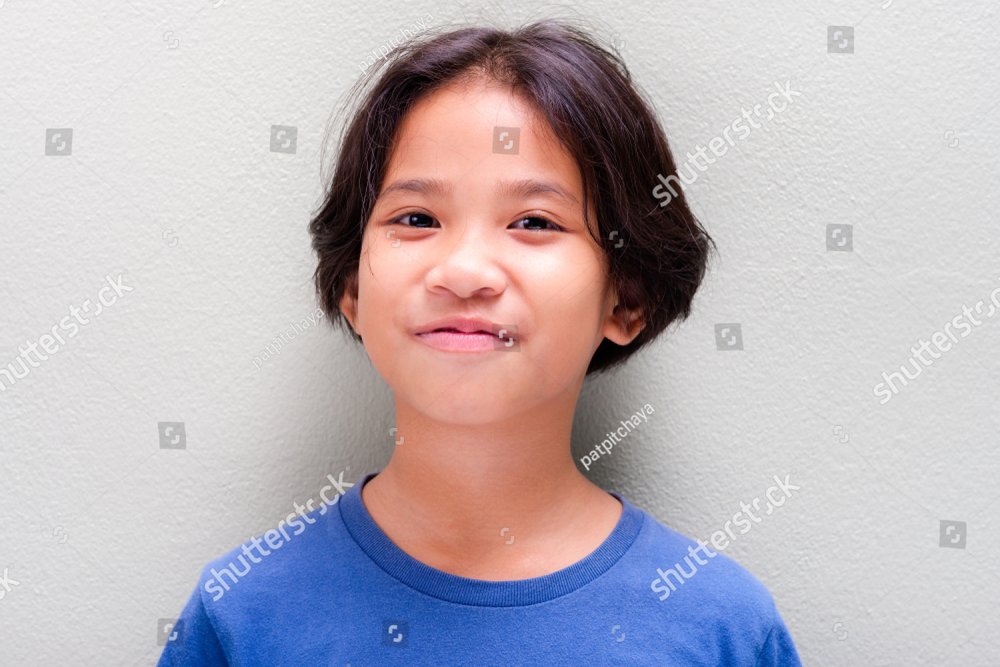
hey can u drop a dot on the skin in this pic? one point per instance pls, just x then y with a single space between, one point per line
485 437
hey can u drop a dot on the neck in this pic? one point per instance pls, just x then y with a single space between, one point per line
460 497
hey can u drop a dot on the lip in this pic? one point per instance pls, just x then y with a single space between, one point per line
456 341
466 325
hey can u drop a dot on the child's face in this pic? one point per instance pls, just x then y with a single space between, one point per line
470 252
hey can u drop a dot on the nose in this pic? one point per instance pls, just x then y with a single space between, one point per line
465 265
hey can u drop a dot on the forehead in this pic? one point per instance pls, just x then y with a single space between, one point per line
483 128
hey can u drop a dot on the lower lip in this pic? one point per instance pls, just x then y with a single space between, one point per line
454 341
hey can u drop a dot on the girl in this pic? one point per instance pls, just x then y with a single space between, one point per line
491 237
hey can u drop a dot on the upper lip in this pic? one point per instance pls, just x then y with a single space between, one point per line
463 324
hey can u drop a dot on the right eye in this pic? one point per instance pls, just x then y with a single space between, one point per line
407 218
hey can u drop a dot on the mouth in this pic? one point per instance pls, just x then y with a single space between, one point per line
474 325
452 340
467 334
459 331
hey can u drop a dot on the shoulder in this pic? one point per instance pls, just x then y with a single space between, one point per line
692 577
251 589
703 603
275 558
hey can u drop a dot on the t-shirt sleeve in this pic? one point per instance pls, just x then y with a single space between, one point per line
194 641
778 649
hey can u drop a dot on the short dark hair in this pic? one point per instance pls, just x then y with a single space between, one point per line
657 252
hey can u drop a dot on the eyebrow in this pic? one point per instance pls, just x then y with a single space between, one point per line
525 187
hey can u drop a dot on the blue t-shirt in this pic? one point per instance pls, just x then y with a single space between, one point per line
338 591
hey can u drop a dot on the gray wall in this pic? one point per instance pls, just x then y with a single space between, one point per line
171 182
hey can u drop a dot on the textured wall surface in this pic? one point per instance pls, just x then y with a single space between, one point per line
136 146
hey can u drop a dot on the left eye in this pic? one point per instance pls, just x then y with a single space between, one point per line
543 221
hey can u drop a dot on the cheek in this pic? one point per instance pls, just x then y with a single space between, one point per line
379 278
568 308
570 283
574 319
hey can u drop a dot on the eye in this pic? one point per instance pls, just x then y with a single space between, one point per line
424 221
406 218
537 218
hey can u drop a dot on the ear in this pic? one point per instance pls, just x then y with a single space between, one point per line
622 325
349 304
